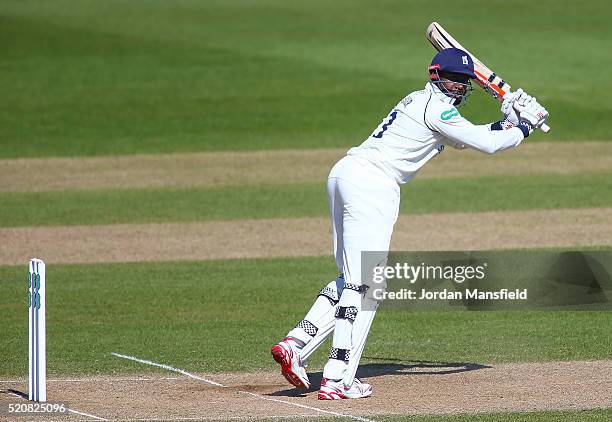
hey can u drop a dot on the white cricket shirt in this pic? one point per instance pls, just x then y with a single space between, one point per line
419 127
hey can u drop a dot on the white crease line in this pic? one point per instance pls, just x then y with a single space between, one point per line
309 407
182 371
168 367
230 418
70 410
86 414
89 420
97 380
71 420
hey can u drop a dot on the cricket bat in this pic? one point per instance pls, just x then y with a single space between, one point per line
485 77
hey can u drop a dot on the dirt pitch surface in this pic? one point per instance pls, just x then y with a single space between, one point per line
399 388
300 236
297 166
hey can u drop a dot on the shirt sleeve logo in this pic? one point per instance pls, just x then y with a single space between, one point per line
449 114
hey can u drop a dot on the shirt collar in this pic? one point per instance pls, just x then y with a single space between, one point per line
438 93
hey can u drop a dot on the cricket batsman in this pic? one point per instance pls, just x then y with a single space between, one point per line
364 198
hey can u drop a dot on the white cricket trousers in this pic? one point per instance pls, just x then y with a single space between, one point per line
364 205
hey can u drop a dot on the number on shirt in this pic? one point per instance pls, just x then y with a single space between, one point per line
392 117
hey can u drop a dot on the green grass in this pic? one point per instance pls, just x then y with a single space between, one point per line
594 415
192 315
299 200
112 77
547 416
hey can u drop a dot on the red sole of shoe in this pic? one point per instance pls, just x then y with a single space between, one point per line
330 396
280 356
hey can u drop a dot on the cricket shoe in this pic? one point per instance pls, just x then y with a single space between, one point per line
288 356
334 390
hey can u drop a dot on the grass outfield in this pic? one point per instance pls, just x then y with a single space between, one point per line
298 200
582 415
191 315
556 416
113 77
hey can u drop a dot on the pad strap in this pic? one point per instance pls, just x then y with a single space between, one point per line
361 288
346 312
339 354
308 327
330 294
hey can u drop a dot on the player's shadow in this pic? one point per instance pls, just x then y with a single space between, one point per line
390 367
19 393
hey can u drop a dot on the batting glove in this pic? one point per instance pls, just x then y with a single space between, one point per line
507 109
531 117
521 97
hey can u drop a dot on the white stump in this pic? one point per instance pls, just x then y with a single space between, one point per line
38 336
